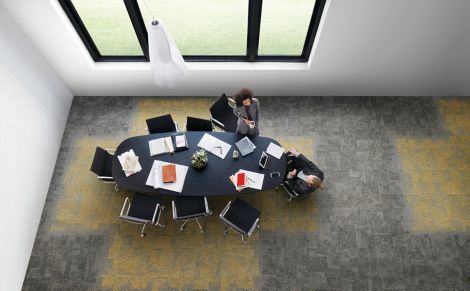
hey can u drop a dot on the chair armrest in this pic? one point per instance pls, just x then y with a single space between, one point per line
222 214
174 209
217 123
134 219
176 126
253 227
231 102
289 189
155 213
208 211
126 202
106 179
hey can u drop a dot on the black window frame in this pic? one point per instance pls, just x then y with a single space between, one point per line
254 24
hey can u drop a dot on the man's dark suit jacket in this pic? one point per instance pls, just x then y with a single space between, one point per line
301 163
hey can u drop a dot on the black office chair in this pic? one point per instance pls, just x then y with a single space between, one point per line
222 114
161 124
241 217
102 166
292 194
144 209
198 124
190 207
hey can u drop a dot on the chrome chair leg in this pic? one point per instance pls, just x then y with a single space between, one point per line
161 225
184 224
142 232
226 229
116 188
200 227
243 239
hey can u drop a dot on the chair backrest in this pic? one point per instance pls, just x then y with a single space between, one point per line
161 124
219 106
102 162
198 124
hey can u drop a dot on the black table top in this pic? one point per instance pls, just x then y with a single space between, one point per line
212 180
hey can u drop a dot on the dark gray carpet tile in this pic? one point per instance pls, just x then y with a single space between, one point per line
68 261
99 116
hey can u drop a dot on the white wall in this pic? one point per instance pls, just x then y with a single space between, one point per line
366 47
34 105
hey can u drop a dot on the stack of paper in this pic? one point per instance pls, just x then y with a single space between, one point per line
161 145
214 145
253 180
129 162
155 178
275 150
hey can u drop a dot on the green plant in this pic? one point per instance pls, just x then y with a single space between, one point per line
199 159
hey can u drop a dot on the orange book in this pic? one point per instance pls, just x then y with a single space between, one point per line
169 173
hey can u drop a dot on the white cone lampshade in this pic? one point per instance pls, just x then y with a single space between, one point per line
167 63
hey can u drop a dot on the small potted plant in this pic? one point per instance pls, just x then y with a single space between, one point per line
199 159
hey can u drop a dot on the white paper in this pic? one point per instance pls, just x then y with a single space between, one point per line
214 145
155 177
254 180
275 150
129 162
160 146
180 141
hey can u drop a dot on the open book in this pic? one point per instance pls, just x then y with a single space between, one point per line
174 143
161 145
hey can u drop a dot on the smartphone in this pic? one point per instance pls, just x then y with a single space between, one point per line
275 174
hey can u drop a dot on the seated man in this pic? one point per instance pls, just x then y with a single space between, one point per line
303 176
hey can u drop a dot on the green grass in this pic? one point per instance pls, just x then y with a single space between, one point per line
200 27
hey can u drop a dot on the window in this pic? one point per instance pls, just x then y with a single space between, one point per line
284 25
204 30
110 27
202 27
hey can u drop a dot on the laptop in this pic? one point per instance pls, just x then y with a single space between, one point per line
245 146
264 161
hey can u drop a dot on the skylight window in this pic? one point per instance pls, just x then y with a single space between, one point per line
204 30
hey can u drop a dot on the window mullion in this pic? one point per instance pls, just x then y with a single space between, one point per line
312 28
254 22
77 22
139 26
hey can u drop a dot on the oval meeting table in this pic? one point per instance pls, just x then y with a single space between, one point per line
210 181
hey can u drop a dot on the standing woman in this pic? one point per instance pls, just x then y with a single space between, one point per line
247 111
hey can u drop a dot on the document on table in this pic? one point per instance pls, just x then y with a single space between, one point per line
161 145
129 162
214 145
155 177
254 180
275 150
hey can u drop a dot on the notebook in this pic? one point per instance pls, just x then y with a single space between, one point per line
169 173
241 179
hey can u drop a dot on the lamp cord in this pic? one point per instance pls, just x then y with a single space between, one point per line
150 11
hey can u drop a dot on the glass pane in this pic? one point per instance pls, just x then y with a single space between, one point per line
109 25
284 25
202 27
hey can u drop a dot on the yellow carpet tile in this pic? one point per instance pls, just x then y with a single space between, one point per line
437 171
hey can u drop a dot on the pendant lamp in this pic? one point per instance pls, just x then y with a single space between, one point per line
167 63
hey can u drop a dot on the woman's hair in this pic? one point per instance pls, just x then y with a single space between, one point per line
243 94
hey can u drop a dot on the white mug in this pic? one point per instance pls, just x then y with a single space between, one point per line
251 124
